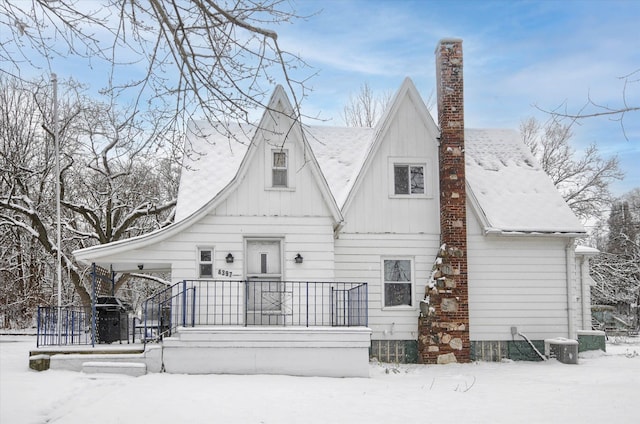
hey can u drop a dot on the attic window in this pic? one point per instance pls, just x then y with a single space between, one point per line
408 179
279 167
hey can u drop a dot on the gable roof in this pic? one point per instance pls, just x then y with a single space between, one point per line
406 90
215 155
217 169
506 185
509 189
214 164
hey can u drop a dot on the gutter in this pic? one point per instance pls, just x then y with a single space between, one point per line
491 231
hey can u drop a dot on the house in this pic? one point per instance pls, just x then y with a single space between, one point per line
408 242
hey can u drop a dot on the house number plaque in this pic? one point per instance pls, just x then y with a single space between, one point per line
225 273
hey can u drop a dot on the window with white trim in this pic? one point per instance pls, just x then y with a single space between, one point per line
408 179
279 168
398 282
205 262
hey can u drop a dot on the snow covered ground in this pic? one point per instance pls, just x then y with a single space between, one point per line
602 388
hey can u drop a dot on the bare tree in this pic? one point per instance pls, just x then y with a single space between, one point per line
116 181
593 109
365 108
219 58
23 269
624 224
583 180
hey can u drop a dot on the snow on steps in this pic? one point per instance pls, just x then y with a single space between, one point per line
151 358
134 369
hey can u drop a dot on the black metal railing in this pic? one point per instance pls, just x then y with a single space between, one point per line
163 312
67 325
284 303
214 302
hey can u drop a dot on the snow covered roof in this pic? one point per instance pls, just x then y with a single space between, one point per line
215 156
212 159
506 185
510 188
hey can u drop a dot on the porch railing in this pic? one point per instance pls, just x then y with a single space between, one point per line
67 325
191 303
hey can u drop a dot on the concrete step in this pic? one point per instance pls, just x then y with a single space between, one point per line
134 369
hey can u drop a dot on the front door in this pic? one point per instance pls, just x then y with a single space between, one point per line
264 287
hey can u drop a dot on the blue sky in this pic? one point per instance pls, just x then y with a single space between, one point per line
518 55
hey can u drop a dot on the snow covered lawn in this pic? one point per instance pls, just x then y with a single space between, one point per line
602 388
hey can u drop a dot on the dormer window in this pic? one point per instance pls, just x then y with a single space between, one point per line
408 179
279 168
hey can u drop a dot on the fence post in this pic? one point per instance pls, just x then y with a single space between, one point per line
184 303
366 305
38 329
193 308
246 301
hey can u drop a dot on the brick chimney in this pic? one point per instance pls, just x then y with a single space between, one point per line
444 328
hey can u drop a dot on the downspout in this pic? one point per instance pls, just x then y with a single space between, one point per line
584 289
569 254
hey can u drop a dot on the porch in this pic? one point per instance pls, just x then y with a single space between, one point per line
237 327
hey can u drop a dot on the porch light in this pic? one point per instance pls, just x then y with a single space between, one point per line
229 258
298 259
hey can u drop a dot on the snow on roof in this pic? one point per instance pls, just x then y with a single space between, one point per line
212 159
512 191
340 152
215 156
511 188
586 250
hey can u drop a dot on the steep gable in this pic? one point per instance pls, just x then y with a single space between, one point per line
219 161
405 136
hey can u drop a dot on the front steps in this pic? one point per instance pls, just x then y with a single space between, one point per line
73 358
134 369
302 351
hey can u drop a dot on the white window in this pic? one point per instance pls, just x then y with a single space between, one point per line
398 282
205 262
279 167
408 179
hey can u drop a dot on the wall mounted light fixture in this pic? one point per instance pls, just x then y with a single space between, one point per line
298 258
229 258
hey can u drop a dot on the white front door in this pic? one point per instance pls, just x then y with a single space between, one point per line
264 287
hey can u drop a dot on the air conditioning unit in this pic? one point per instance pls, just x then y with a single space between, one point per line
564 350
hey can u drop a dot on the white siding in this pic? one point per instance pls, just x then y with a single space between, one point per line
372 210
299 215
359 259
516 281
379 225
